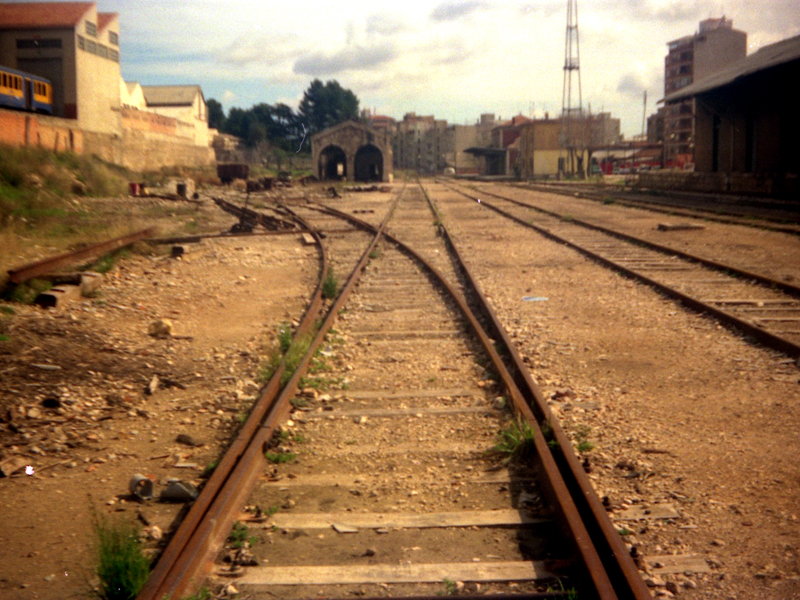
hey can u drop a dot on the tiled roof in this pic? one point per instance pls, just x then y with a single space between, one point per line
42 15
104 19
170 95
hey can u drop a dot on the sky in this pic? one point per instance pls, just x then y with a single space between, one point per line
454 59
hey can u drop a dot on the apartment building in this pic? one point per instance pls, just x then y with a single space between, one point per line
690 59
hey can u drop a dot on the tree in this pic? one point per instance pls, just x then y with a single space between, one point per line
324 106
216 115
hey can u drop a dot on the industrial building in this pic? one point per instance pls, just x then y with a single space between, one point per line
352 151
78 49
747 124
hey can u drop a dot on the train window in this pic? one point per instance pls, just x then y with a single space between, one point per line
3 80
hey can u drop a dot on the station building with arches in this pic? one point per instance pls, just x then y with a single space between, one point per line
352 151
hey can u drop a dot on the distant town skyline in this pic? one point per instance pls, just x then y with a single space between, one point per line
454 59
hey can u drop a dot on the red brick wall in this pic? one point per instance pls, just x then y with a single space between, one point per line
29 129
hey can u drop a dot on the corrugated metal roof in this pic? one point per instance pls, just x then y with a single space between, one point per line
170 95
42 15
765 58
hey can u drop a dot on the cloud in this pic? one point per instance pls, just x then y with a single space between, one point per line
455 10
631 85
543 9
448 53
663 11
384 24
349 59
228 96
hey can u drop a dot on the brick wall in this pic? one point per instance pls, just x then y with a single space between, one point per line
148 141
28 129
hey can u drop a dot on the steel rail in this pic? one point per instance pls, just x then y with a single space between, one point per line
708 262
188 557
266 221
47 265
594 569
615 558
161 580
768 222
767 338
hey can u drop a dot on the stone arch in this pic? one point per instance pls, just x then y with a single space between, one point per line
368 163
332 163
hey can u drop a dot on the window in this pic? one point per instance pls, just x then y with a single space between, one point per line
91 29
113 37
81 42
38 44
113 55
102 51
91 47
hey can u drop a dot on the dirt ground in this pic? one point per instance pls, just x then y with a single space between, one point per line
74 403
679 410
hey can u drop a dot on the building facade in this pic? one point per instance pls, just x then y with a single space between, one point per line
76 48
352 151
747 124
689 59
540 149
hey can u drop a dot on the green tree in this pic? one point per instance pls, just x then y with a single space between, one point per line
216 115
326 105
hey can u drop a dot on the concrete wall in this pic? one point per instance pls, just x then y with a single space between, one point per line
98 78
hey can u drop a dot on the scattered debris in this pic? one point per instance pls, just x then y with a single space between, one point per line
178 491
160 328
141 487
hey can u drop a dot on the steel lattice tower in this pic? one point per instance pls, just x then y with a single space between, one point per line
572 118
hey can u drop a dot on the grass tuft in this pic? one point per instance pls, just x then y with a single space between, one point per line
330 287
515 440
121 566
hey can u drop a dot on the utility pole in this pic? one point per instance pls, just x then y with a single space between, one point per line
644 114
572 122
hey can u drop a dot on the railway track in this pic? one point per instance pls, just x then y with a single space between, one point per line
759 306
385 479
765 213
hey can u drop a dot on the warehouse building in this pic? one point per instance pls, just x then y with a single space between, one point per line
747 123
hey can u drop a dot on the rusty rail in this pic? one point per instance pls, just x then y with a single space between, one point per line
760 334
47 265
608 570
187 559
613 554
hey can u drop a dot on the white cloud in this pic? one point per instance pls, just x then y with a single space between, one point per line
452 58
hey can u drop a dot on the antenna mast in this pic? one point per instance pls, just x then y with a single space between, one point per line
572 118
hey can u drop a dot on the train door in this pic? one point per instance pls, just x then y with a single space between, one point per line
27 92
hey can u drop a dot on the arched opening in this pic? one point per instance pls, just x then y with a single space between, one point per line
332 163
369 164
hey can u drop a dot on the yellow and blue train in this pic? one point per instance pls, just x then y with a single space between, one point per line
25 91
